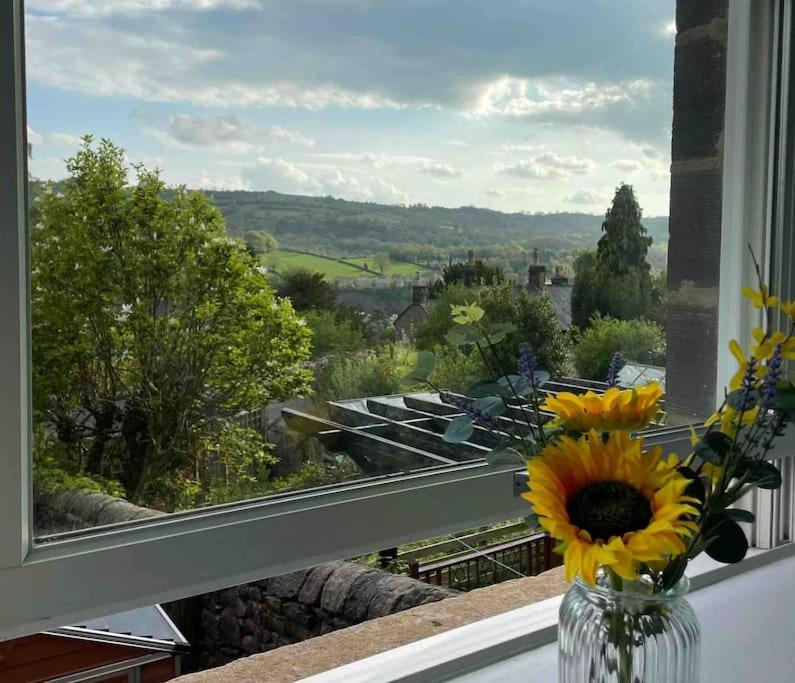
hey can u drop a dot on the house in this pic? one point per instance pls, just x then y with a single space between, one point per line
415 313
558 289
141 645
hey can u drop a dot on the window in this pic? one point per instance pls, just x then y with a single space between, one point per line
180 104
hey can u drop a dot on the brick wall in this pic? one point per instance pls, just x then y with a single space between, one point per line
696 198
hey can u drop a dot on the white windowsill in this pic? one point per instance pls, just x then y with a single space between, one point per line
520 645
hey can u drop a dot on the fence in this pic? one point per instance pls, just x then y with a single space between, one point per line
522 557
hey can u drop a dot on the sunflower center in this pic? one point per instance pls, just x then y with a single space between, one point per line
609 508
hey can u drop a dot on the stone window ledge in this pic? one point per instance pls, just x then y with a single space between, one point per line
295 662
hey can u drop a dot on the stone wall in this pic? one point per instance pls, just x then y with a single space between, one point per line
283 610
696 204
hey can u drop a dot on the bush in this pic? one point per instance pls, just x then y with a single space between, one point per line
457 368
431 332
368 373
639 340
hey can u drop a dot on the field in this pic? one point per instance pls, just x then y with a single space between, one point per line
284 259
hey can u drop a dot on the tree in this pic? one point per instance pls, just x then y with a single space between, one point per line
308 290
151 328
263 242
333 333
381 261
481 274
616 280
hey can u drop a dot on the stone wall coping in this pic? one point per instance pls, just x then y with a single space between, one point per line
295 662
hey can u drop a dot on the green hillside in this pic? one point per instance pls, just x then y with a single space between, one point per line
284 259
401 268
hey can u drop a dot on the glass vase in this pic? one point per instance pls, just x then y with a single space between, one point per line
628 635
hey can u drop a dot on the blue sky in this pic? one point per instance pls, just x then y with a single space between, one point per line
521 105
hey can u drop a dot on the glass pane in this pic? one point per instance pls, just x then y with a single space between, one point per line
233 278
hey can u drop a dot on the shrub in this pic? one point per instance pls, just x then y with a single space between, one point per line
333 333
368 373
457 368
639 340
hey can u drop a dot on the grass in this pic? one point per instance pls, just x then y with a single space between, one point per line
284 259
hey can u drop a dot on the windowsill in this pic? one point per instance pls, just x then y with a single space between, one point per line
449 638
370 638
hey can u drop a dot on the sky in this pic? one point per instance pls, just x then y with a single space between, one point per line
516 105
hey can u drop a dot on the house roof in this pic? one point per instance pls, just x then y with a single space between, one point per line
560 295
148 627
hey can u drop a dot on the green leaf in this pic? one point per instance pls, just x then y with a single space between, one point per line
504 456
739 515
726 541
763 474
785 400
531 521
713 447
491 405
520 385
461 335
459 429
424 367
496 332
486 387
673 572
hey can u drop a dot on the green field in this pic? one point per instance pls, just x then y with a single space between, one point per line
401 268
284 259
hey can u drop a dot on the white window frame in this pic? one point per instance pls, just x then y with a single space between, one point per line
110 569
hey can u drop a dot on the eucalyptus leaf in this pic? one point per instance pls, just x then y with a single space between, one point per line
485 388
726 541
496 332
763 474
541 377
459 429
424 367
515 384
739 515
504 456
491 405
696 487
461 335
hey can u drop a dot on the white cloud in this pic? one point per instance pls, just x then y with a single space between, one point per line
226 133
568 163
93 8
530 169
34 138
588 197
521 148
547 166
206 181
494 192
63 139
439 169
524 98
627 165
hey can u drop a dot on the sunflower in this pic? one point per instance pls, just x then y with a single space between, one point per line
628 409
610 504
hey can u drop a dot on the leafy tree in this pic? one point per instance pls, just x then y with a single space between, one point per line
641 341
381 261
151 328
368 373
533 317
333 333
263 242
483 274
307 290
616 281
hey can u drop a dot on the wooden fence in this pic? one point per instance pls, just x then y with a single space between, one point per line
521 557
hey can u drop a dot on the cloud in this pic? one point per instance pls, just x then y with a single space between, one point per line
588 197
93 8
226 133
34 138
494 192
553 98
547 166
521 148
627 165
206 181
283 176
530 169
439 169
372 159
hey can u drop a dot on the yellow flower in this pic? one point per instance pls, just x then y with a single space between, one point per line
761 298
466 314
730 421
788 308
629 409
742 364
610 504
766 344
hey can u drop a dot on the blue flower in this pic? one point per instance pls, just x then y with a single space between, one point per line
616 363
528 363
475 414
772 378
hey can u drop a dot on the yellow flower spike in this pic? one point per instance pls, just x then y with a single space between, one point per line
616 409
761 298
610 504
766 345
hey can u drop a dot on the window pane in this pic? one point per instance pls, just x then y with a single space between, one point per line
234 277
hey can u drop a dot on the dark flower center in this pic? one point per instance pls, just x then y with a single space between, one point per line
609 508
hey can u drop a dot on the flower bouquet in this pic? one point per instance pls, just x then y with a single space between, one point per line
628 518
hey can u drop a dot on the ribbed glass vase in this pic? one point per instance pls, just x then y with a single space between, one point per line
628 635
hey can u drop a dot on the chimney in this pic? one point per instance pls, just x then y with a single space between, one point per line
560 278
536 276
420 294
471 257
